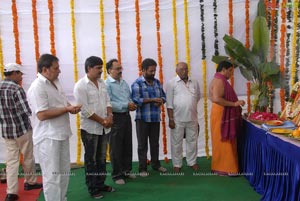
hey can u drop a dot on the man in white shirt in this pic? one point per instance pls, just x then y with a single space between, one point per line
51 131
96 121
183 94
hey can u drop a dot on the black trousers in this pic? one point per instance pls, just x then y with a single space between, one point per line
94 160
145 131
120 139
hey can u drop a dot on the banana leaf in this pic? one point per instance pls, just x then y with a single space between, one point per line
260 38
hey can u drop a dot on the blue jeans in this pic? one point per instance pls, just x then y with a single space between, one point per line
94 160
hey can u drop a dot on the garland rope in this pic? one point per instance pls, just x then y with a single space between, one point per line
230 16
272 38
282 50
102 37
16 31
287 55
161 79
187 36
1 59
118 36
175 31
51 27
204 76
247 45
35 31
216 41
294 40
138 36
75 60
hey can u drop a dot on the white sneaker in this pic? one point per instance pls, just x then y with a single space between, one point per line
144 174
120 181
162 169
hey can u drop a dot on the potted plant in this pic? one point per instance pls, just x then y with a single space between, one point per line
254 65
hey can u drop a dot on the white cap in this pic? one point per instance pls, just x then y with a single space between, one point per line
13 67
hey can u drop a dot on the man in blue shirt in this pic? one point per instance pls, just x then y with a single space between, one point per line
148 94
120 137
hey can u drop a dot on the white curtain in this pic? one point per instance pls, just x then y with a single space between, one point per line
88 39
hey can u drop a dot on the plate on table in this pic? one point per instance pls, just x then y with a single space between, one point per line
294 138
274 123
256 121
282 131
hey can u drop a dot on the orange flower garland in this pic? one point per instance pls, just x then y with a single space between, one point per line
16 31
35 31
247 22
272 38
51 27
161 78
118 37
230 16
138 36
282 50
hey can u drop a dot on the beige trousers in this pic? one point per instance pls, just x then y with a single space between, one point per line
14 147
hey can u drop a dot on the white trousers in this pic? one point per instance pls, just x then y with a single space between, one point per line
54 158
14 147
191 131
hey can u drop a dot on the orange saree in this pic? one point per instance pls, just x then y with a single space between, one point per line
224 153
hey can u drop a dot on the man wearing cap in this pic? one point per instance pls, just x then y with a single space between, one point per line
16 131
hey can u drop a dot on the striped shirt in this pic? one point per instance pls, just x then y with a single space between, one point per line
141 90
14 110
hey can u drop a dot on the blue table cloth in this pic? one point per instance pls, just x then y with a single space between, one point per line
270 164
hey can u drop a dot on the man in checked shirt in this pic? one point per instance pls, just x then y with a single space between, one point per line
16 131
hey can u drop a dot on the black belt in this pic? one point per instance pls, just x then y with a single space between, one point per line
120 113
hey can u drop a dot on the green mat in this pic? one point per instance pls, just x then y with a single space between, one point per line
186 186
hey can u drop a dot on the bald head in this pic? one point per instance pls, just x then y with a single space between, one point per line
182 71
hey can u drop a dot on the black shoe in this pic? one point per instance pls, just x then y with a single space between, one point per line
11 197
28 187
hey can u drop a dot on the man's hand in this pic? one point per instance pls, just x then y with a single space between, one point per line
157 101
73 109
131 106
171 123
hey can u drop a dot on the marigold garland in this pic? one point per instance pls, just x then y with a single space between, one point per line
175 31
138 36
102 37
75 59
230 16
187 35
35 31
1 59
294 40
272 38
161 77
247 23
297 49
282 50
204 76
51 27
16 31
118 36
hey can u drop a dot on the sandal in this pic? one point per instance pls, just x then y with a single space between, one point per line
106 188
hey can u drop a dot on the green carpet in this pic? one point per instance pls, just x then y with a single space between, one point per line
186 186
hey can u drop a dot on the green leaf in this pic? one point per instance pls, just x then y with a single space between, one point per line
261 9
219 58
260 38
248 74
